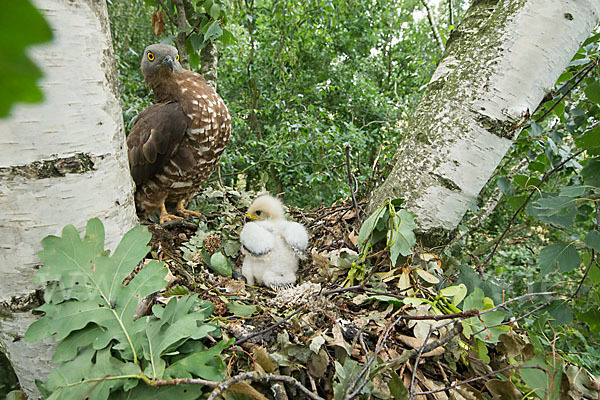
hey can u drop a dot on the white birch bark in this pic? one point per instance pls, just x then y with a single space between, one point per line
498 65
62 162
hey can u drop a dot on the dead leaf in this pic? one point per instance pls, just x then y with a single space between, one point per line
158 22
262 358
353 237
503 390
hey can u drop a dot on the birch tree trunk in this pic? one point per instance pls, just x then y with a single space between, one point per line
500 62
61 162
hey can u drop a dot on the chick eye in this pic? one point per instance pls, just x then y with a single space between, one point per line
150 56
258 213
177 58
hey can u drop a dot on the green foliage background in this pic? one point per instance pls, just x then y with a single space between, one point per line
301 80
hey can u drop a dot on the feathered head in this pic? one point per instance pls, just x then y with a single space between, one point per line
159 59
266 207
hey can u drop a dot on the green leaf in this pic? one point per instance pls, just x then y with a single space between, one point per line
219 264
215 11
553 209
457 292
173 325
199 364
228 38
21 25
591 172
482 322
92 312
591 318
592 91
592 239
397 388
560 311
505 186
589 139
241 309
367 228
83 377
402 235
563 255
213 32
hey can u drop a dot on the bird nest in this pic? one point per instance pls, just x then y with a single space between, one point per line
350 328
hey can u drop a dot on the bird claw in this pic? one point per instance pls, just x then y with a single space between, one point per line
168 217
180 209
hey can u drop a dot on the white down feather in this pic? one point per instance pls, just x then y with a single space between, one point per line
272 246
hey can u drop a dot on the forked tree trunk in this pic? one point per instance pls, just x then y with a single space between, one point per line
500 62
61 162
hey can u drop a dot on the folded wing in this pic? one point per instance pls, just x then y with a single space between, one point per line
257 238
295 235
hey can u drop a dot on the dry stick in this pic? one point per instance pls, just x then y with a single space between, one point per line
587 271
408 354
352 183
514 320
587 71
370 361
454 386
328 213
255 376
414 371
502 305
246 338
514 217
184 381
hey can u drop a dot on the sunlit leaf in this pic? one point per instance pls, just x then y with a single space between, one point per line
21 25
562 255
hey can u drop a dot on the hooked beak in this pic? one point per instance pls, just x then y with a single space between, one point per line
250 217
168 60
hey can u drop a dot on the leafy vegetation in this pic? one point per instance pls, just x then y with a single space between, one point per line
304 80
104 348
21 25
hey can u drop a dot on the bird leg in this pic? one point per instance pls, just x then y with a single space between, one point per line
165 216
180 209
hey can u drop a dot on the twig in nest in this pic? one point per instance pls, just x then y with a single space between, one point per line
493 373
353 184
255 376
270 328
414 371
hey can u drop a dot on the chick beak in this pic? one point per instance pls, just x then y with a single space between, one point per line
250 217
168 60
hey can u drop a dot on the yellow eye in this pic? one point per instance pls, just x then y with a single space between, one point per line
177 58
150 56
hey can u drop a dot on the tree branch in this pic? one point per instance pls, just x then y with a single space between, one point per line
180 38
255 376
434 30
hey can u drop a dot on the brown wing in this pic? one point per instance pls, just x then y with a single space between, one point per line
154 139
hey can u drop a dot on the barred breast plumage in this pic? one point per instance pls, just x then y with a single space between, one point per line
175 145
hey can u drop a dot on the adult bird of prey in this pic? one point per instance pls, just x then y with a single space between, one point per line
272 245
175 144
